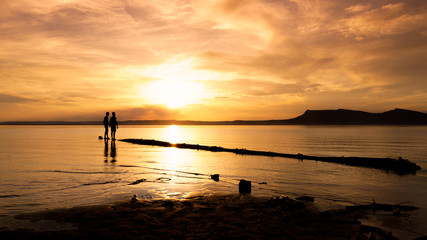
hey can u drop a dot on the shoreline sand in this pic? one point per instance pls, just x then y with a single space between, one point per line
234 216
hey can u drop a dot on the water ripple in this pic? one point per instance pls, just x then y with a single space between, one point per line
10 196
79 172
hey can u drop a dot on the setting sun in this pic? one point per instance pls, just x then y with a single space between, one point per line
178 84
172 93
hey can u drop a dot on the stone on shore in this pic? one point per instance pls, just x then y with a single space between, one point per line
245 186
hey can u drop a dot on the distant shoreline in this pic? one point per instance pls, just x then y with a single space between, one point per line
185 123
310 117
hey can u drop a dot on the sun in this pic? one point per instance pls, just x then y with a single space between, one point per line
176 85
173 94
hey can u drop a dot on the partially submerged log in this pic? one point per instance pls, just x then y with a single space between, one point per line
382 207
399 166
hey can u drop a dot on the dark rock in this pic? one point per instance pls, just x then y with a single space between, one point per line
215 177
138 181
421 238
245 186
306 198
168 204
163 179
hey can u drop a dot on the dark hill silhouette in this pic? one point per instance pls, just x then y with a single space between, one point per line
351 117
340 116
402 116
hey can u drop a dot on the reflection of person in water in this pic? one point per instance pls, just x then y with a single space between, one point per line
105 122
106 150
114 126
113 152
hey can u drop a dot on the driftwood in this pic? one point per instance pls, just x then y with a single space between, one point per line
396 209
399 166
382 207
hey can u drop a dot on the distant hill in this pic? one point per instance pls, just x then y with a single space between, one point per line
351 117
310 117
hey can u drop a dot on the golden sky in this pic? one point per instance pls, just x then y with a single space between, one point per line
209 60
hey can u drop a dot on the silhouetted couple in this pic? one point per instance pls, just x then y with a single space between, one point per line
110 123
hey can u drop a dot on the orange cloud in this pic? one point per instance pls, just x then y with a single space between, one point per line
253 58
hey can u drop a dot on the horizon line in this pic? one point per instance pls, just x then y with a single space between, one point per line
197 122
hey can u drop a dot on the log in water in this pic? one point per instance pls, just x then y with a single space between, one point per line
399 166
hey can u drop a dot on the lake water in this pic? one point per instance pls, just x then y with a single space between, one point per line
63 166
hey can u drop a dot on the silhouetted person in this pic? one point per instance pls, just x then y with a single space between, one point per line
106 123
114 126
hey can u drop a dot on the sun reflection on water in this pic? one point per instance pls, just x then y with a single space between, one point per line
172 134
171 157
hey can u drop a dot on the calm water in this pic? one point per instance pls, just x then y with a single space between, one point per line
55 166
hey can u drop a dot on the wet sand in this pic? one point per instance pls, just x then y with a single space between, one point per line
201 217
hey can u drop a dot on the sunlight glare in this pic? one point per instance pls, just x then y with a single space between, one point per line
172 134
178 84
174 94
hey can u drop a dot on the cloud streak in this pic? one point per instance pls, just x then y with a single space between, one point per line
5 98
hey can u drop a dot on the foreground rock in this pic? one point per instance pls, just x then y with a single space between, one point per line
214 217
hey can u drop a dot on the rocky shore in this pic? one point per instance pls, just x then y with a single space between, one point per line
238 216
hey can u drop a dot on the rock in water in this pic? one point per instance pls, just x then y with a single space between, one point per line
215 177
306 198
245 186
134 199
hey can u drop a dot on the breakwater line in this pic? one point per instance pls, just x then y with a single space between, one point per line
399 166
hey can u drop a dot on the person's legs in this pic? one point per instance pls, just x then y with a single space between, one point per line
113 134
106 132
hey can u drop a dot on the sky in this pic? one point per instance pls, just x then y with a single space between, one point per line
209 60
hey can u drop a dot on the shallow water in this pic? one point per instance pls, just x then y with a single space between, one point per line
55 166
